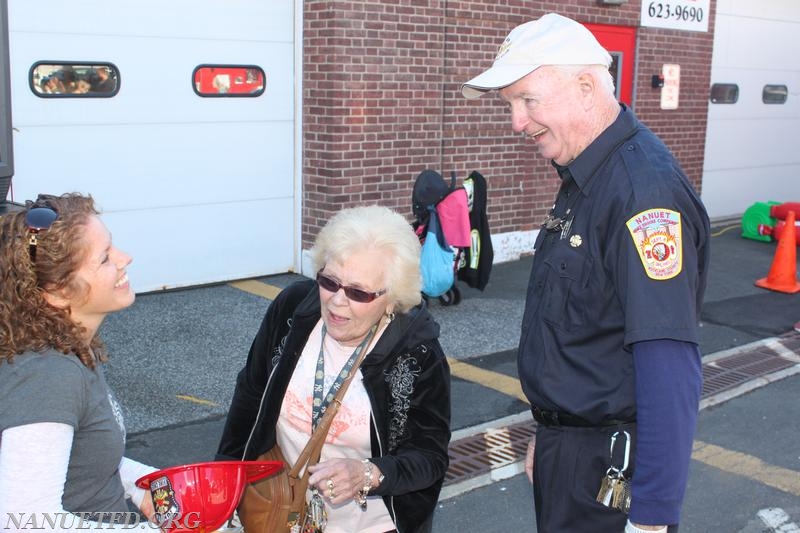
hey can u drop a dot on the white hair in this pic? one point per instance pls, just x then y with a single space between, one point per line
600 72
379 228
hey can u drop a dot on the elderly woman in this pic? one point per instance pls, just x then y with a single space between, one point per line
392 430
62 436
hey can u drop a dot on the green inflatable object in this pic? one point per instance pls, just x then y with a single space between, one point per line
758 215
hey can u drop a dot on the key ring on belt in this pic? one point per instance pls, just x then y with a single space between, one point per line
627 456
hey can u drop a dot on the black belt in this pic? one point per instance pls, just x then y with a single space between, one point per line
560 418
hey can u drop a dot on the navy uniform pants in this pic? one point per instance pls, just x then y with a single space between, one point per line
569 464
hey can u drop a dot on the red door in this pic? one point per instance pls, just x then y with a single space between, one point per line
620 41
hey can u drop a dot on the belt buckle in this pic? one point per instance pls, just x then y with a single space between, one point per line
548 418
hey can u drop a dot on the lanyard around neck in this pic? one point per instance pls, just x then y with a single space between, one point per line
319 405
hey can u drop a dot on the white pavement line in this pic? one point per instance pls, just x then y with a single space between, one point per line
778 520
736 350
493 476
751 385
778 347
498 423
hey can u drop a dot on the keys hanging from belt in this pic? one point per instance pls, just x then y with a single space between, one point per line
615 488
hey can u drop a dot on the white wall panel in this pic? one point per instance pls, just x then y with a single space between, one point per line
245 20
751 150
183 246
197 189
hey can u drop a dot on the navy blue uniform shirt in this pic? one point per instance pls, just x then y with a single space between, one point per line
627 263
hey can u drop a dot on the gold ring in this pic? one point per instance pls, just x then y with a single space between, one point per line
331 494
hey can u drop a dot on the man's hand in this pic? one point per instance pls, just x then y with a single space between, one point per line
529 458
630 527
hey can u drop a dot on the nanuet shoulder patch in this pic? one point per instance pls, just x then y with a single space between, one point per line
656 233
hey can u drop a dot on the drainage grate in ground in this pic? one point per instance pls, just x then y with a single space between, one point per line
496 448
719 379
488 450
730 372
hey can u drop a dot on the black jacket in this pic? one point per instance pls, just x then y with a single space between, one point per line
408 382
476 264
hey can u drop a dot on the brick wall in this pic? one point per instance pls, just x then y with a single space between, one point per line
683 130
381 102
372 103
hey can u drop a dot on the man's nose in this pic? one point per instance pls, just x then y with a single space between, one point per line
519 120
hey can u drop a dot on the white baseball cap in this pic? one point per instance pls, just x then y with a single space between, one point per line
550 40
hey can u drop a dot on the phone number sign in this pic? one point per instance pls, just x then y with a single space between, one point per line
689 15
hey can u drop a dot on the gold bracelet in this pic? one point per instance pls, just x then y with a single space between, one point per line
361 495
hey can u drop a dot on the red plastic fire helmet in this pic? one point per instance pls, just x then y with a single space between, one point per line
201 496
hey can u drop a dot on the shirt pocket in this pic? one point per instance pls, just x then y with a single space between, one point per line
564 293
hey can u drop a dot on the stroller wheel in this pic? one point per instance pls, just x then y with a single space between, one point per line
451 297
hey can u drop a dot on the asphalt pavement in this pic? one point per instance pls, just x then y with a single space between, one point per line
174 357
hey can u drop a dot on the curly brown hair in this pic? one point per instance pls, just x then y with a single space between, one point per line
27 321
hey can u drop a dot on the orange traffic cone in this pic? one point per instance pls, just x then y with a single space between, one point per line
782 275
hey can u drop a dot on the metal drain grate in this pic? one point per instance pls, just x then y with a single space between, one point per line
732 371
765 366
488 450
496 448
719 379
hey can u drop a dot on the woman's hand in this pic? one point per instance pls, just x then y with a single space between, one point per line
338 480
146 508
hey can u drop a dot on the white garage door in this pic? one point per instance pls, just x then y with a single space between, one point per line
751 150
197 189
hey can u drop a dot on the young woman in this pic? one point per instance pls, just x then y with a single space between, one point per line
62 436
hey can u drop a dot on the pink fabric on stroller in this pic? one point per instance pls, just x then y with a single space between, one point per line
453 214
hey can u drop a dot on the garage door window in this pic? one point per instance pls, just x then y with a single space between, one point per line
63 79
774 94
228 80
724 93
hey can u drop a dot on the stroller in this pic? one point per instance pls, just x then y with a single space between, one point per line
453 229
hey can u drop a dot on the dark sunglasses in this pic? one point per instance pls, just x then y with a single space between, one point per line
357 295
38 219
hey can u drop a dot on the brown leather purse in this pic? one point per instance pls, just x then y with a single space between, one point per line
266 505
274 504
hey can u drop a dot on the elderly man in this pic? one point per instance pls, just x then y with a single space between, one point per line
608 354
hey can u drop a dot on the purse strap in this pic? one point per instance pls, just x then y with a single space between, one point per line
313 449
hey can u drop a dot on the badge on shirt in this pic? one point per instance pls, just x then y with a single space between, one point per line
656 234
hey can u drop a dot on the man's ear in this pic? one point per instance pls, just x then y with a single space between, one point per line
587 85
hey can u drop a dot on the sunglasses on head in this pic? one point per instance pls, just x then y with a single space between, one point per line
355 294
38 219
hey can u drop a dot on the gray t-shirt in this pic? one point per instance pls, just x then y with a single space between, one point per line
53 387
